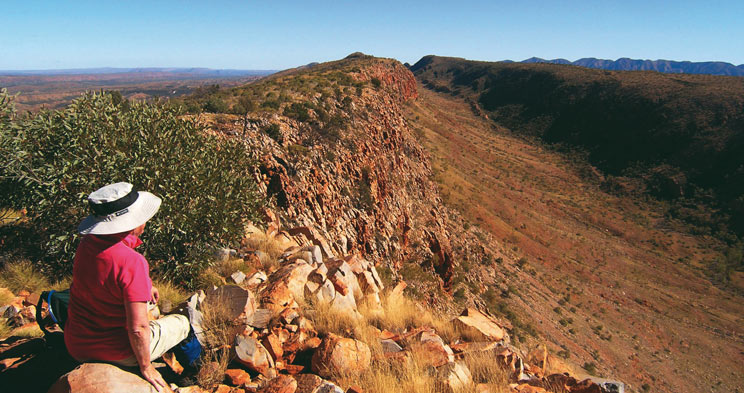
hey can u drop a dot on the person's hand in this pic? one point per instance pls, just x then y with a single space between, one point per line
155 295
150 374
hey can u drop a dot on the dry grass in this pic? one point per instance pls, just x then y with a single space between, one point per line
6 297
20 275
228 267
10 216
220 330
269 248
209 278
5 330
486 370
327 320
410 375
169 293
28 332
400 314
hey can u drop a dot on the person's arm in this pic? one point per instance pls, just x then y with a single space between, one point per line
138 328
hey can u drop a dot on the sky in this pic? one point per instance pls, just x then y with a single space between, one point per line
280 34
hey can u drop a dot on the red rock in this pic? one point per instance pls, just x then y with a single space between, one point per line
237 377
8 362
280 384
436 352
586 386
170 359
525 388
273 345
102 378
293 369
337 355
307 383
253 355
476 323
354 389
223 389
32 299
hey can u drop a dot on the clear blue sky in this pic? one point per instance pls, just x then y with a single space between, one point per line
281 34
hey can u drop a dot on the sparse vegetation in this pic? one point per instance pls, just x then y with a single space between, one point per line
53 159
21 275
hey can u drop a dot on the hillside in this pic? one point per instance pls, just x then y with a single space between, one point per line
677 137
614 283
666 66
531 239
364 161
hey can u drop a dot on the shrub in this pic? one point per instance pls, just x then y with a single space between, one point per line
376 82
297 111
52 160
273 131
216 105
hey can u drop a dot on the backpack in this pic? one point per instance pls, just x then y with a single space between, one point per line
58 302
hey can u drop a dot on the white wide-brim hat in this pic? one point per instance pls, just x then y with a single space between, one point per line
118 208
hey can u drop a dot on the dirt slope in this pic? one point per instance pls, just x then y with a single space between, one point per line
609 282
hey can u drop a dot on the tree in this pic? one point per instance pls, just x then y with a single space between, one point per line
52 160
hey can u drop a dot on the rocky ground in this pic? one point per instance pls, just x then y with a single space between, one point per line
268 331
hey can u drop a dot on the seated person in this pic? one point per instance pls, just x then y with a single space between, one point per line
111 287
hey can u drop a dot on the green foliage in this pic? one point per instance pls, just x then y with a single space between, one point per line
52 160
245 104
216 105
376 82
273 132
297 111
591 368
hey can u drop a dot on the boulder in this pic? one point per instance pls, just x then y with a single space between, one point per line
237 377
338 355
286 285
436 352
256 279
280 384
239 302
454 377
238 277
308 383
328 387
102 378
253 355
475 323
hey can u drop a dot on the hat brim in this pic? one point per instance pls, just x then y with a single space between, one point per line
137 214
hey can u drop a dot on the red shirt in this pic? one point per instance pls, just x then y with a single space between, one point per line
107 273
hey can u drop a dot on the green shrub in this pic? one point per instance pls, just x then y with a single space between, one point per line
297 111
273 131
52 160
216 105
376 82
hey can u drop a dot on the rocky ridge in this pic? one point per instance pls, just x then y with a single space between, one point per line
276 347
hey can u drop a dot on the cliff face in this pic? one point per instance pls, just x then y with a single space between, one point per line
348 165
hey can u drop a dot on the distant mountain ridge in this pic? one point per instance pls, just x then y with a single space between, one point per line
114 70
666 66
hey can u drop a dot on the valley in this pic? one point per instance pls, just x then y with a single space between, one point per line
613 283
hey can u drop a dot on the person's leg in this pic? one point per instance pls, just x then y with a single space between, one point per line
166 333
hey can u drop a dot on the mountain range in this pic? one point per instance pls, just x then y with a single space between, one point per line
666 66
139 70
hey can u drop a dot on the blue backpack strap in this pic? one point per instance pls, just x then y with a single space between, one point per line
49 302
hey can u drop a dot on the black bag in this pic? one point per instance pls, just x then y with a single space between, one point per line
58 302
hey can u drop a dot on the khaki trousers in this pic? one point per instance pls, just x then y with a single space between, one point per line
165 333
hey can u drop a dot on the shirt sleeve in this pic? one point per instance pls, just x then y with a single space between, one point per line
135 279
